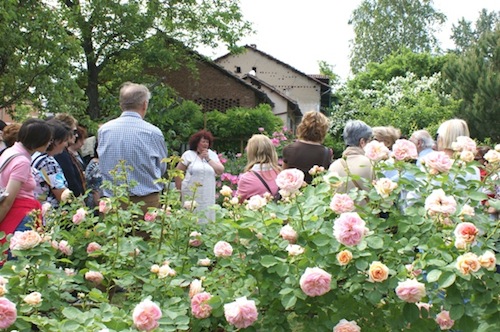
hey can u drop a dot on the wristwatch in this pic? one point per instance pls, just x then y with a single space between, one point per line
207 160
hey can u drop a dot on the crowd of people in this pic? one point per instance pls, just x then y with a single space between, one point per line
41 159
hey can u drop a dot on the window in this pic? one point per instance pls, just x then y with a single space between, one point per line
238 70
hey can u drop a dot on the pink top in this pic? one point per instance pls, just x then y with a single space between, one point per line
18 169
249 184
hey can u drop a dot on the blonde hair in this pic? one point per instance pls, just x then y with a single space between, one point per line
387 135
67 119
313 127
260 150
449 131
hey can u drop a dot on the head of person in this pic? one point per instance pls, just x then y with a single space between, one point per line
260 150
35 135
448 132
10 133
422 139
81 136
480 152
387 135
61 134
201 140
70 122
357 133
313 127
134 97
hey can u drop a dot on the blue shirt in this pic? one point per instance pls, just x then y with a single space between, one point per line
137 142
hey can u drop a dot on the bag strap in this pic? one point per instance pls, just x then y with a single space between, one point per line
263 182
6 162
346 167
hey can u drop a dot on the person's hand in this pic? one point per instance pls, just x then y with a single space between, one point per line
204 154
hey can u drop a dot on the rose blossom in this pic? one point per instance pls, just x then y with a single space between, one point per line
155 268
341 203
104 205
93 246
344 257
464 143
70 272
190 205
467 156
3 290
33 298
290 179
223 249
204 262
376 151
404 149
24 240
79 216
241 313
488 260
288 233
65 248
195 239
294 249
226 191
165 271
423 305
410 290
466 231
378 272
66 195
46 208
349 229
346 326
8 313
437 162
492 156
256 202
146 315
199 306
438 202
467 263
315 170
444 320
315 281
195 287
94 276
151 215
467 210
384 187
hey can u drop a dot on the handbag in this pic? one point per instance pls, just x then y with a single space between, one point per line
277 196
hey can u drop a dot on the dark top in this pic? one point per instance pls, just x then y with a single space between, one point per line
72 172
304 156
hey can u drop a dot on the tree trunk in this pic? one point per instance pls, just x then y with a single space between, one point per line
92 91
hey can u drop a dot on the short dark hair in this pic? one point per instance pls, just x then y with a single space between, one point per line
60 132
2 124
196 138
34 133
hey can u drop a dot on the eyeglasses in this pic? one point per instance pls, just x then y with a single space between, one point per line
75 132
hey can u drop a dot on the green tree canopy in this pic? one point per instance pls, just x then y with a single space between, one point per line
382 27
465 35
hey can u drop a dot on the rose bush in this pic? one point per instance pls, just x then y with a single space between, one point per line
369 266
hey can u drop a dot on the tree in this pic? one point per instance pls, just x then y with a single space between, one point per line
474 77
107 31
382 27
464 36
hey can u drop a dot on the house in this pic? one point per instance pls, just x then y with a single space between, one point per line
308 92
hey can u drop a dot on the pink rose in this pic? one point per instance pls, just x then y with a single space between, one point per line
261 129
33 298
150 215
384 187
466 231
65 248
410 290
290 179
444 320
79 216
204 262
104 205
195 239
288 233
256 202
146 315
241 313
376 151
24 240
464 143
223 249
344 257
315 281
404 150
378 272
349 229
341 203
437 162
346 326
8 313
438 203
492 156
93 246
94 276
199 306
467 263
195 287
488 260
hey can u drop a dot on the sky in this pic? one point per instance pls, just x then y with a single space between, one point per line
301 33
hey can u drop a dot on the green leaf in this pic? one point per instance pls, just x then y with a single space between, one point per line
434 275
476 195
268 261
457 311
289 300
322 240
71 325
361 265
71 313
411 312
447 279
375 242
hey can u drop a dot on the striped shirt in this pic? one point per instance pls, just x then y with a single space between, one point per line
140 144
